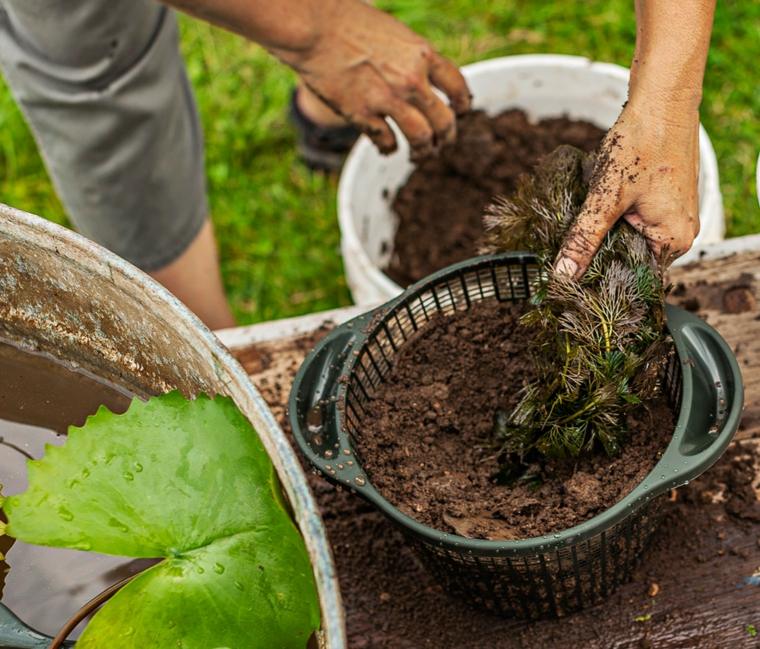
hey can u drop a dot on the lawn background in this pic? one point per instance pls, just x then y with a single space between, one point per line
276 221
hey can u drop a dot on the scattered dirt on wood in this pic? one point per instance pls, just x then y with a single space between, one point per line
427 438
706 287
731 296
440 207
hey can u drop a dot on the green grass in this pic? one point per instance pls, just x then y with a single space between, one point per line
276 221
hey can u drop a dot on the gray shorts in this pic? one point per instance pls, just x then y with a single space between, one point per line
104 88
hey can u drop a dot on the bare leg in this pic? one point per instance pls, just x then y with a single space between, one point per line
195 279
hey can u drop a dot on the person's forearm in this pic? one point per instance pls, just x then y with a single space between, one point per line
285 27
648 165
363 63
672 40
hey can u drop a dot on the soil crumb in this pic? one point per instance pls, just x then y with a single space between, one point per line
427 437
441 205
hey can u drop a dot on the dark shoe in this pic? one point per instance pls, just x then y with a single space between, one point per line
322 148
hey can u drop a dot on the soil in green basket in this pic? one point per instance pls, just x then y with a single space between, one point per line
440 208
427 437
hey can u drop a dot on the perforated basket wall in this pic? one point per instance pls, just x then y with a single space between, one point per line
547 584
527 585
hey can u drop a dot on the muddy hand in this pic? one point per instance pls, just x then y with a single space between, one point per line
368 66
646 172
648 165
364 64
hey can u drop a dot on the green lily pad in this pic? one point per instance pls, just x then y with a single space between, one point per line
188 481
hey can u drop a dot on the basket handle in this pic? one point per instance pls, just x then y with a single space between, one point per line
313 406
712 401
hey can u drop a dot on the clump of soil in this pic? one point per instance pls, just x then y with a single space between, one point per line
440 207
427 438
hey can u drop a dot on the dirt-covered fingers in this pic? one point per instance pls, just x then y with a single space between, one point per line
448 78
598 214
413 124
671 234
378 130
414 97
440 116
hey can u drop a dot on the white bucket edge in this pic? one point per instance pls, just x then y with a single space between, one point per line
369 284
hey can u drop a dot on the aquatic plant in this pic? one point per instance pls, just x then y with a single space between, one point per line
599 343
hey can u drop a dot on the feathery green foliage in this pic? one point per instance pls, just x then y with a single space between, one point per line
599 342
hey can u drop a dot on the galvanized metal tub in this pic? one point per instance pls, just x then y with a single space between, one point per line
65 295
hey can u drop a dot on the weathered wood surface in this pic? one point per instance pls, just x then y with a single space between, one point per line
739 277
715 604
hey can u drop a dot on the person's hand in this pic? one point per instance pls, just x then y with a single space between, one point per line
368 66
648 165
646 172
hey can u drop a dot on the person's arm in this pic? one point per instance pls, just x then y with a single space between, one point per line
362 62
648 164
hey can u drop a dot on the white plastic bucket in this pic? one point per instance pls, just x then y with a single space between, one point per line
543 85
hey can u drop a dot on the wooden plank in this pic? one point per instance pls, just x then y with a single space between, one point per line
739 276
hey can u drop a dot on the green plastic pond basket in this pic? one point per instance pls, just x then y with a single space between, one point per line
537 577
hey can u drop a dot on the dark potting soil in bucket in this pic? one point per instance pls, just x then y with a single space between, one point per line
428 445
440 207
39 399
